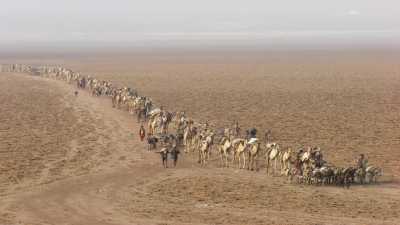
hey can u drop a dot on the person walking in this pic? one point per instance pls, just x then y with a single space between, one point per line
362 168
164 156
362 162
174 154
237 129
142 133
267 136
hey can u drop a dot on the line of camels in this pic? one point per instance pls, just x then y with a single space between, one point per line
234 150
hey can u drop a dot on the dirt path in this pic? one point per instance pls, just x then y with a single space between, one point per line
105 176
112 129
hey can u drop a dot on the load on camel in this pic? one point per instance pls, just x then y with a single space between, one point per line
305 166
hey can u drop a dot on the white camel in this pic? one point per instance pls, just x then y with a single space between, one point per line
154 123
195 142
205 149
286 161
272 154
187 136
224 149
239 148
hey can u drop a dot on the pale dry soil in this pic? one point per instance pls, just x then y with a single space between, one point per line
76 160
346 102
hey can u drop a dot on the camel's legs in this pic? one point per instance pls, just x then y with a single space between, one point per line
251 162
255 160
222 159
244 160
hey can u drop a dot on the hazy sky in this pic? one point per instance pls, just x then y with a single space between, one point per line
43 21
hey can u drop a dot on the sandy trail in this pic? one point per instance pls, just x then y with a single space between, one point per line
102 174
105 134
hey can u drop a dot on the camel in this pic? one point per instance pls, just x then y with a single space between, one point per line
195 142
224 149
179 119
186 138
292 173
125 99
205 149
188 135
372 173
175 119
323 175
306 155
203 152
272 154
253 150
210 140
130 104
158 119
154 123
285 160
117 99
138 104
239 148
166 118
348 176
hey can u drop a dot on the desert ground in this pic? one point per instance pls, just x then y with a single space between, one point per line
69 159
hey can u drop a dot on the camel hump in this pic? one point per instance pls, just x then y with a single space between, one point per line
237 140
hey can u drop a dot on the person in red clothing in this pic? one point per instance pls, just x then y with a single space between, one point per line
142 132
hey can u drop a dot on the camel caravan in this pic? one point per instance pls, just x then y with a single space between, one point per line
242 151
